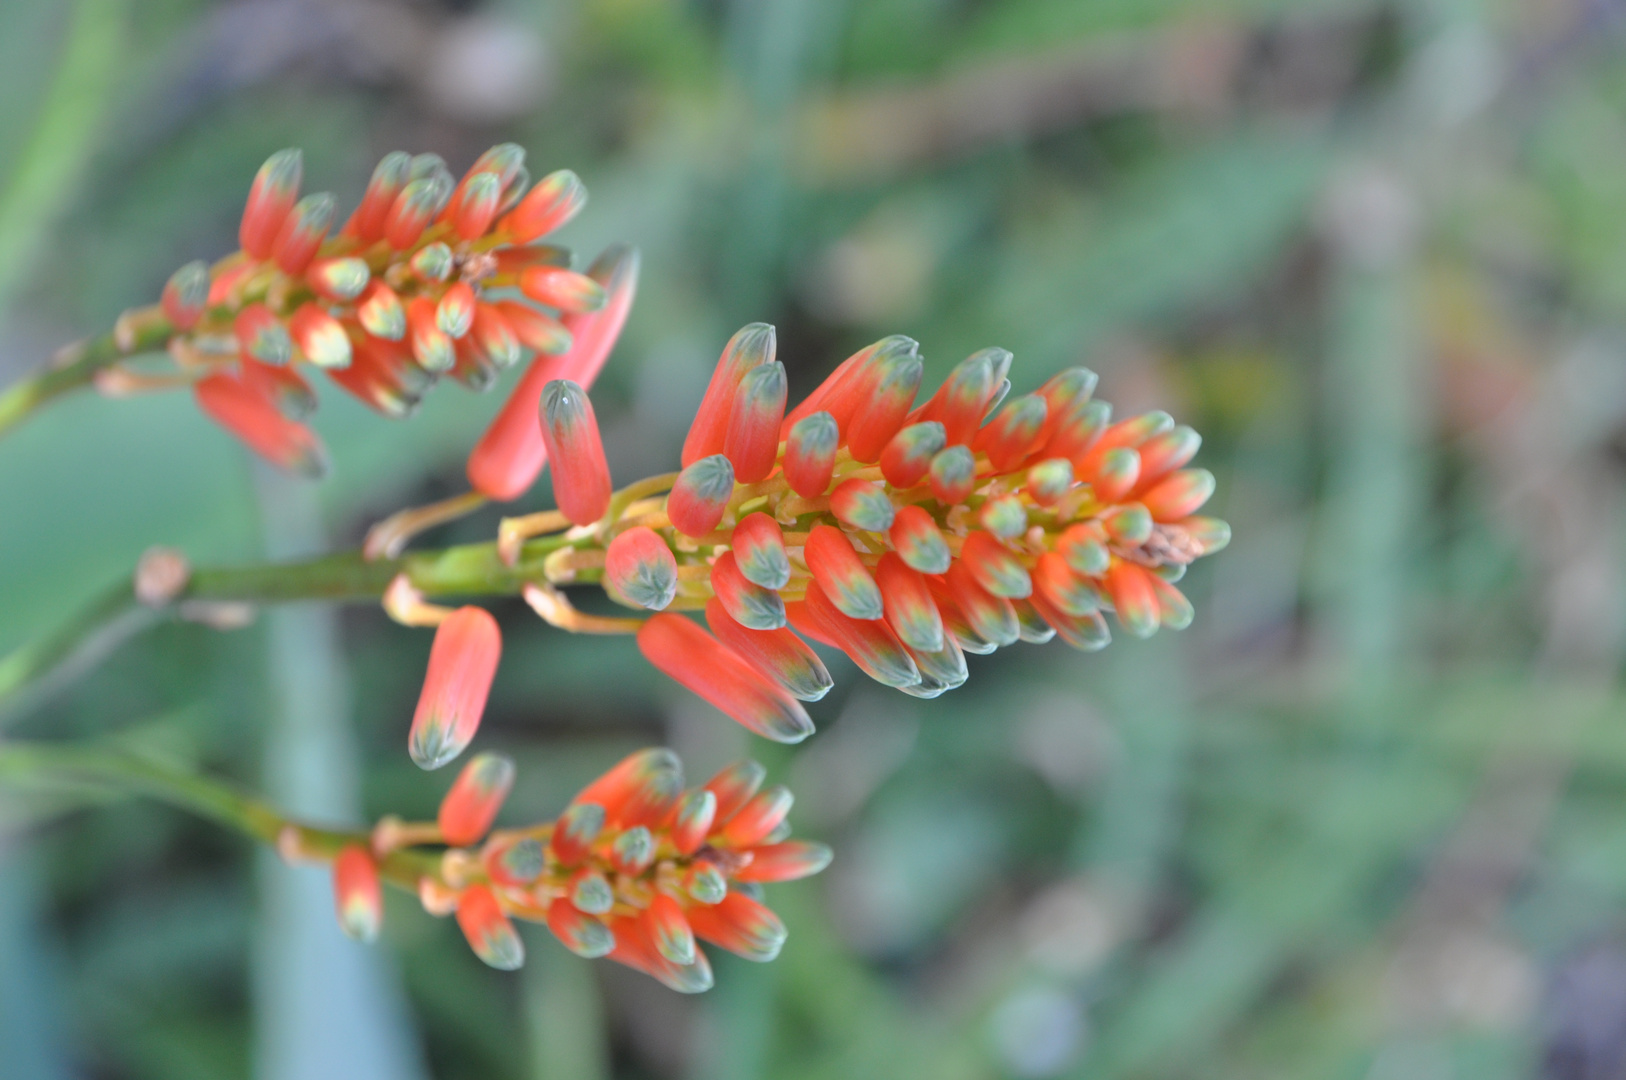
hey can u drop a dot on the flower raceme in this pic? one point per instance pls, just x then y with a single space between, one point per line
902 533
430 276
637 868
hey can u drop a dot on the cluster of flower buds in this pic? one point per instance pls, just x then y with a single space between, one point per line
904 535
636 868
429 276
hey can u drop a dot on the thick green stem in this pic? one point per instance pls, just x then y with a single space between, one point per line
211 799
77 366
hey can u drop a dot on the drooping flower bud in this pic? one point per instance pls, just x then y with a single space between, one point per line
908 457
292 395
870 643
1179 495
990 616
787 861
994 566
536 331
752 441
741 925
670 930
918 541
490 934
748 604
1174 610
581 476
320 337
700 496
1086 633
358 898
1134 600
495 337
778 654
253 417
561 289
908 604
862 504
841 573
554 200
462 664
752 346
186 295
759 547
272 196
810 454
580 933
719 675
635 947
469 808
640 570
1063 589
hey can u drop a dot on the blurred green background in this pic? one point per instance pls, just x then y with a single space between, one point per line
1365 819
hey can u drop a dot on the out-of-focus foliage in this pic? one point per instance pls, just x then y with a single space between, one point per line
1364 819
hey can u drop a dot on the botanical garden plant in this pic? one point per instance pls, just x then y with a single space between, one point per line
902 533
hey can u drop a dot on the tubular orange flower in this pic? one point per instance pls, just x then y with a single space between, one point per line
357 896
752 440
840 572
712 670
462 663
253 417
778 654
747 603
272 196
581 477
810 454
469 808
554 200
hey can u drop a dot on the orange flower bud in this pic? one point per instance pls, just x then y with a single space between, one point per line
963 399
490 934
752 441
302 231
462 664
186 295
670 930
719 675
810 454
759 547
918 541
381 313
741 925
581 476
564 290
888 395
642 787
554 200
692 819
582 934
476 205
389 177
994 566
908 604
1180 495
787 861
576 828
908 457
357 897
431 346
841 574
253 417
869 642
953 475
261 335
750 605
1134 600
700 496
320 337
778 654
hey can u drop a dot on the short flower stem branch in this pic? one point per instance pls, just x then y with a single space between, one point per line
78 365
218 802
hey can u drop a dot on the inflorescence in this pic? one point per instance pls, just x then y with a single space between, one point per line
430 276
636 868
